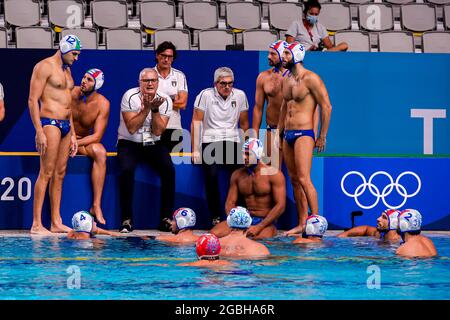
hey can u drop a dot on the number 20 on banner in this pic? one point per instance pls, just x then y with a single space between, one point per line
23 189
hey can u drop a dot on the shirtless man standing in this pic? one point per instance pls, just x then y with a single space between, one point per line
51 83
90 112
268 89
302 90
264 192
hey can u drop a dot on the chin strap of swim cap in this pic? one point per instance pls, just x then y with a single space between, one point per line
278 46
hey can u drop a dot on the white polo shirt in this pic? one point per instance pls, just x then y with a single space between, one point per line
174 83
132 102
221 117
2 94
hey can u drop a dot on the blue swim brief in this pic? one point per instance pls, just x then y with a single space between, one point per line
256 220
292 135
62 125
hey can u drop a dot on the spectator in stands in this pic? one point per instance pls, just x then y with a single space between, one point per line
310 33
2 104
220 109
145 112
173 83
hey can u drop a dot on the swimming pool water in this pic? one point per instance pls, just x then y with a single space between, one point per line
133 268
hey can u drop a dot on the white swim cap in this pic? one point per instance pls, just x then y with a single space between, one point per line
69 43
255 146
82 221
99 77
297 50
279 46
239 218
409 220
184 218
316 226
392 216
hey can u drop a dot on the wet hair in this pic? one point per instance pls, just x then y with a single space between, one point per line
311 4
163 46
414 233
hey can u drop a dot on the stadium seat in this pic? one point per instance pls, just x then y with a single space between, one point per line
60 15
395 41
180 38
357 1
438 2
3 38
282 14
87 36
418 17
368 14
335 16
200 14
243 15
157 14
401 2
22 13
34 37
356 40
109 13
258 39
447 17
123 39
436 42
215 39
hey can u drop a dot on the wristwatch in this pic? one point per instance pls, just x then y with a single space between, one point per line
155 110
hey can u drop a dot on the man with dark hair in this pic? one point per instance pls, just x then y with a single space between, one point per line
310 33
172 82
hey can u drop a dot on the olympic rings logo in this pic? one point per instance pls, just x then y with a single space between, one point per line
387 190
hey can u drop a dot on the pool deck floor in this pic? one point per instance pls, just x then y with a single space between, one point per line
143 233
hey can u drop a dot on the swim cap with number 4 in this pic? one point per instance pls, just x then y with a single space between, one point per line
82 221
69 43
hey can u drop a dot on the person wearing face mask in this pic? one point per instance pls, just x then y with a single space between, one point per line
310 33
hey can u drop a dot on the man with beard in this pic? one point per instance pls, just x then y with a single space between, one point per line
302 91
386 229
90 112
268 90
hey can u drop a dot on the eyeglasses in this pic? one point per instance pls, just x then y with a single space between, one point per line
149 80
226 84
166 56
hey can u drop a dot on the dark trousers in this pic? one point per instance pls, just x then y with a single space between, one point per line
158 158
228 156
170 142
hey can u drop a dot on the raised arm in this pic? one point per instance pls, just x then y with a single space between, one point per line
99 126
320 93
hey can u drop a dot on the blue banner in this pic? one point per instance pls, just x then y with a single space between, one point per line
375 184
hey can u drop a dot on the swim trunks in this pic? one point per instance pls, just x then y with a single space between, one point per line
292 135
62 125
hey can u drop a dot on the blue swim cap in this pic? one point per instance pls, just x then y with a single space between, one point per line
239 218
